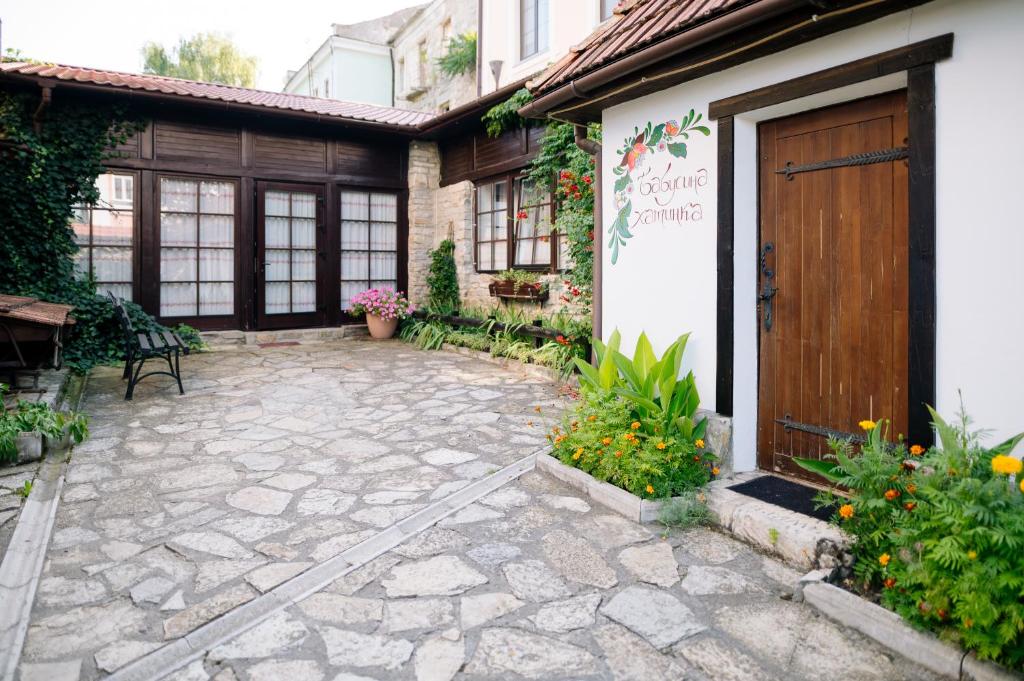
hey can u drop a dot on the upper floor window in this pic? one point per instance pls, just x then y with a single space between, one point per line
104 233
607 7
400 77
513 226
424 63
533 27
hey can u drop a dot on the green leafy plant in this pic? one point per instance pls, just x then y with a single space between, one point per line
24 490
443 280
460 57
36 417
505 116
688 509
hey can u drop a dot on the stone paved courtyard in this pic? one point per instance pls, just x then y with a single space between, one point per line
181 509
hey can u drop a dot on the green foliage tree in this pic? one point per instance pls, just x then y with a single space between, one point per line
460 57
207 57
442 279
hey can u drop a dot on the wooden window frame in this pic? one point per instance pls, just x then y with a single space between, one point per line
512 179
136 240
537 21
918 61
369 192
207 321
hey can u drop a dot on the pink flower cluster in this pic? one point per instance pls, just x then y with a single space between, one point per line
385 303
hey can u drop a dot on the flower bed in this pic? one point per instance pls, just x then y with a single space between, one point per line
938 534
635 424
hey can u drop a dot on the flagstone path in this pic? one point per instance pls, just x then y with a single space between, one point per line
181 509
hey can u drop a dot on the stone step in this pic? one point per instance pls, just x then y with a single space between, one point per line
234 338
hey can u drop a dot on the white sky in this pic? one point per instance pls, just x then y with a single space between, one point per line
109 35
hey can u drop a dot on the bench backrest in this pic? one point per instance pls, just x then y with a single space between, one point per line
123 318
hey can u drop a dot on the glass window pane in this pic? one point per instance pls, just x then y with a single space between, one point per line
123 291
82 262
348 290
303 233
383 266
177 229
276 203
500 221
303 205
217 197
303 266
383 237
80 225
177 300
355 206
500 195
112 264
384 283
304 297
112 227
178 195
116 190
484 197
483 227
216 299
177 264
383 207
277 298
500 255
355 236
217 264
277 265
217 231
355 266
276 232
484 260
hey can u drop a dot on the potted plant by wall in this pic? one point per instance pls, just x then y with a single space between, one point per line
384 308
518 285
27 429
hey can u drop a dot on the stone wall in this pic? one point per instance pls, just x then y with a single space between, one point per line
437 213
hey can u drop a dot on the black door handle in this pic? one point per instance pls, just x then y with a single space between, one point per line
767 290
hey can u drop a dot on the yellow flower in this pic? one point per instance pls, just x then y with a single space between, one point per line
650 489
867 424
883 559
635 425
846 511
606 441
972 555
578 454
1022 485
661 445
714 471
1007 465
699 444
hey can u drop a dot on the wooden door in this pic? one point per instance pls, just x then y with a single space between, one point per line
833 318
289 256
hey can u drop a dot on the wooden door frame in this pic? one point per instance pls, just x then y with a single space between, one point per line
918 61
292 320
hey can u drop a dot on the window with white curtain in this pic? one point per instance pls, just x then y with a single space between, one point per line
533 27
289 242
104 234
492 220
197 247
369 242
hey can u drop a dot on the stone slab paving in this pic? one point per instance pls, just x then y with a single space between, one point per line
181 508
535 583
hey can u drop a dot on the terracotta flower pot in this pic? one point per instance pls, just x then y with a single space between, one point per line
381 329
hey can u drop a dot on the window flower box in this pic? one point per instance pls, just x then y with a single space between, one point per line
512 290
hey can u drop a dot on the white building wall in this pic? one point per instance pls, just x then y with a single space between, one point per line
665 279
346 69
569 22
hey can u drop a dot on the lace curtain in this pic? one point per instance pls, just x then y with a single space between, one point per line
104 234
369 243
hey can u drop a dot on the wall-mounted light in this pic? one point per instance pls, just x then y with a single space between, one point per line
496 65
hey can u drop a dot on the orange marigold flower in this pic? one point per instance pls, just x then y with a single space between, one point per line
559 439
1006 465
846 511
917 450
889 582
606 441
699 444
911 488
635 425
661 445
696 458
884 559
891 494
618 454
714 471
650 489
592 418
910 505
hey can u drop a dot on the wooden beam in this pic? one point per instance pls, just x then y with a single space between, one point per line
726 269
893 61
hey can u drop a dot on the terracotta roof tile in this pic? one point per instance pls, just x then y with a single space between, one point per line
188 88
634 25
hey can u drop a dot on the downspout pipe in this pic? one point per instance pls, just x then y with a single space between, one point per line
593 148
44 103
732 22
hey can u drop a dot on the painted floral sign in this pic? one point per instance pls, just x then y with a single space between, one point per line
636 151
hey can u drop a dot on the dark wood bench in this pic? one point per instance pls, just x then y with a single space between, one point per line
140 346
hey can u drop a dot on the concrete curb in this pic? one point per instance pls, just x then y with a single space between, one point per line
889 629
536 370
23 562
194 645
615 498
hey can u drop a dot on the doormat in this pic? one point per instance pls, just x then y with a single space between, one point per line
785 493
278 344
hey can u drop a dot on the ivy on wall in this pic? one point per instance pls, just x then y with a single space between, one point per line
49 163
505 116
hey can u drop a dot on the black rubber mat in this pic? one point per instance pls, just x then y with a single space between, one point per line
785 493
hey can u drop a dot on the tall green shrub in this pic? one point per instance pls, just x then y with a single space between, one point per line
443 280
44 173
